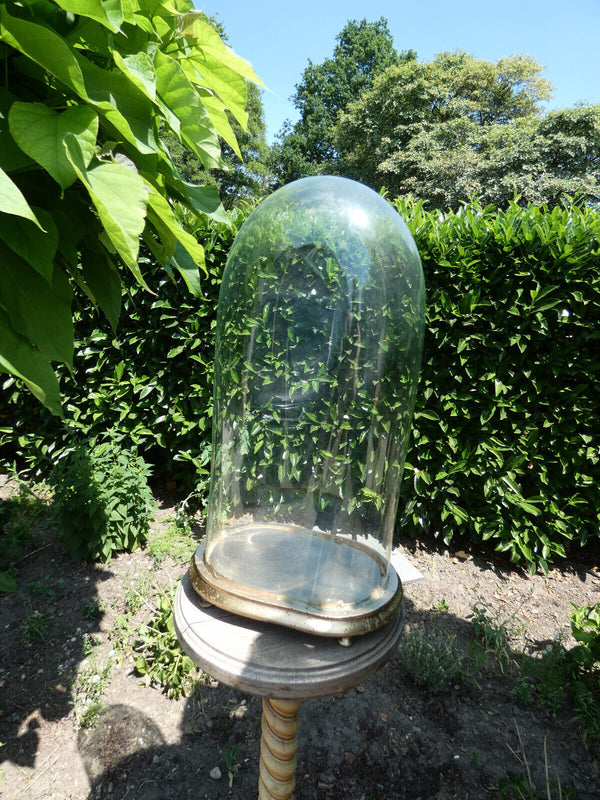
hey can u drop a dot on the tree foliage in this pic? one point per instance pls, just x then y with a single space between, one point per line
363 50
84 175
457 126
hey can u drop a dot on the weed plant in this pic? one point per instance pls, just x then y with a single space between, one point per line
229 756
160 659
491 643
432 660
138 593
520 786
34 628
103 501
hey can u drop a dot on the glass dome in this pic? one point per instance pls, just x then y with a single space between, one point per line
319 338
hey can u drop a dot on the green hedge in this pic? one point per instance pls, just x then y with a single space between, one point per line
506 438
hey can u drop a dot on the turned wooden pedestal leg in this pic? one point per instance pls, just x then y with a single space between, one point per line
278 747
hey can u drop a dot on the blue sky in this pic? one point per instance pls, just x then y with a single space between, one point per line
279 38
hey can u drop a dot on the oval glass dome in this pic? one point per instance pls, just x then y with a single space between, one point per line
319 338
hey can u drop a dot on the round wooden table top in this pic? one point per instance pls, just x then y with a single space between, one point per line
272 661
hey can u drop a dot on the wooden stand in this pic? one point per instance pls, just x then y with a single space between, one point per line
282 665
278 745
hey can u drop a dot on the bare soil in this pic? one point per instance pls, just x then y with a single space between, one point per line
386 739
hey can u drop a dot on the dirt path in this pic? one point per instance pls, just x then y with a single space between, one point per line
386 739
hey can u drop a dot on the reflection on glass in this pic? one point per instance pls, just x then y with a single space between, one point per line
319 339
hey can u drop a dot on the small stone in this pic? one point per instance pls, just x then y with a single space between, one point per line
326 779
156 759
216 774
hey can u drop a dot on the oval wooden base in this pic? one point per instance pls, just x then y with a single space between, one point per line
272 661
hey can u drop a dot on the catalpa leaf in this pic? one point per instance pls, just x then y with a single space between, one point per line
122 104
189 254
222 70
12 200
109 13
40 132
45 47
120 197
181 97
218 117
35 246
19 358
102 283
39 312
11 156
139 69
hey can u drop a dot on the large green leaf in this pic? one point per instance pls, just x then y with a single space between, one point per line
181 97
218 116
106 12
121 103
139 69
120 197
19 358
221 70
37 311
190 264
40 132
12 200
188 268
45 47
36 247
204 199
11 156
102 283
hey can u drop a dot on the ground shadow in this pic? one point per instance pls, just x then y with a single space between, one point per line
384 739
46 622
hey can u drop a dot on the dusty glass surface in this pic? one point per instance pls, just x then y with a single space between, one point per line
319 339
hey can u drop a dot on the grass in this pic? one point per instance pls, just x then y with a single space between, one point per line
491 643
520 786
90 683
175 541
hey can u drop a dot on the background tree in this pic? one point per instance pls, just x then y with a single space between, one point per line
447 129
363 50
87 90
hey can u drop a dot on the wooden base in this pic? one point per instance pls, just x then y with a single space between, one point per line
272 661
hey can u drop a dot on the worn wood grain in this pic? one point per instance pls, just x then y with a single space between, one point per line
273 661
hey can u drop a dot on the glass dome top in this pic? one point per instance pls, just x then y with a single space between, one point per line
319 338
